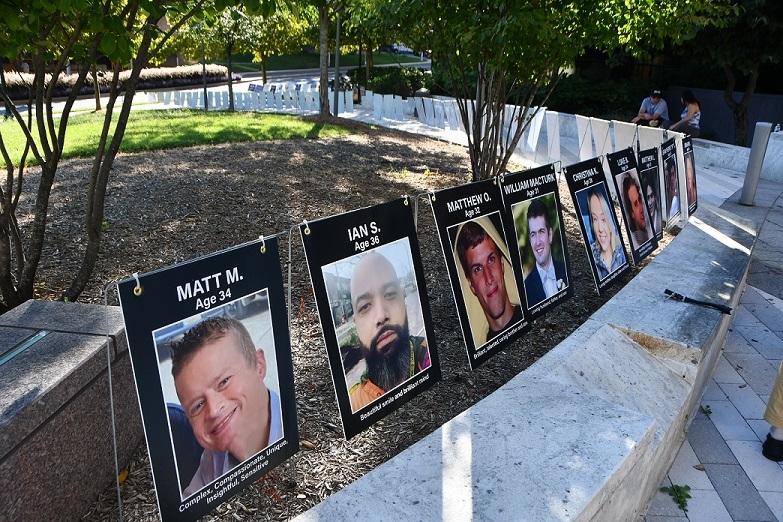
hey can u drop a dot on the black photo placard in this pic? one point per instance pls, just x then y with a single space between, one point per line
649 174
369 287
484 276
211 357
690 175
604 244
633 204
671 180
535 218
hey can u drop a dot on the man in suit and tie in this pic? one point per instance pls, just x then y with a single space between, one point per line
548 276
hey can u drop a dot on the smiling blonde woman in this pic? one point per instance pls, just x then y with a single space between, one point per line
606 247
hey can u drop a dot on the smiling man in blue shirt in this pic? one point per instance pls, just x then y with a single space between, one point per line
219 378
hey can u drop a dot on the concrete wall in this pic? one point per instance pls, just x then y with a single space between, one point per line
56 442
735 158
717 118
590 429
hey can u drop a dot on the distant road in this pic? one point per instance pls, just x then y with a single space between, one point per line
86 103
297 75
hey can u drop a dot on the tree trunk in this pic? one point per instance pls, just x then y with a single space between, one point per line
370 60
740 113
359 69
740 109
230 80
367 52
323 46
102 165
263 68
493 133
49 162
96 87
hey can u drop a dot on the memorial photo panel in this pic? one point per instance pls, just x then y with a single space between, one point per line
535 218
671 180
649 175
211 358
628 187
369 288
484 276
605 248
690 174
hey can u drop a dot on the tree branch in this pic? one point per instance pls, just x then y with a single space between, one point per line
40 121
18 117
174 28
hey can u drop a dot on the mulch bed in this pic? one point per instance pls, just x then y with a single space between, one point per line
169 206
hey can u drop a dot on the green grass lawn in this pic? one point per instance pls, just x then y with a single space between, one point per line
311 61
155 130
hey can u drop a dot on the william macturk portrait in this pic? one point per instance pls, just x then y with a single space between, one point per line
219 378
486 277
378 321
540 244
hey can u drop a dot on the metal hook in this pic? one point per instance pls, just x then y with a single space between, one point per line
406 200
307 227
263 244
137 290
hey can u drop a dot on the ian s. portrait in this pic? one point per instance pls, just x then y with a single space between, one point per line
484 267
391 354
378 320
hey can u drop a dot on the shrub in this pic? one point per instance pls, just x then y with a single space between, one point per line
152 78
610 99
402 81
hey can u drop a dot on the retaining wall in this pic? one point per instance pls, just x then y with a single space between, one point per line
588 431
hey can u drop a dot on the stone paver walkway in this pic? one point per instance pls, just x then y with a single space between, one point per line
721 458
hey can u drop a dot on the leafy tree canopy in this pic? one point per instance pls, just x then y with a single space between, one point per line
517 48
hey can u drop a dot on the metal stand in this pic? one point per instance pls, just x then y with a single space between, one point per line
105 292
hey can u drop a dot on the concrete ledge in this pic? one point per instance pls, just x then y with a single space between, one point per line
54 408
589 430
735 157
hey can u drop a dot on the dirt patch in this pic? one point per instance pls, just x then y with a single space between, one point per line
169 206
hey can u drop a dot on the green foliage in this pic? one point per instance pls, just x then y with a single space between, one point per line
610 99
402 81
364 20
257 34
156 130
349 339
52 35
282 32
749 38
518 49
680 494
